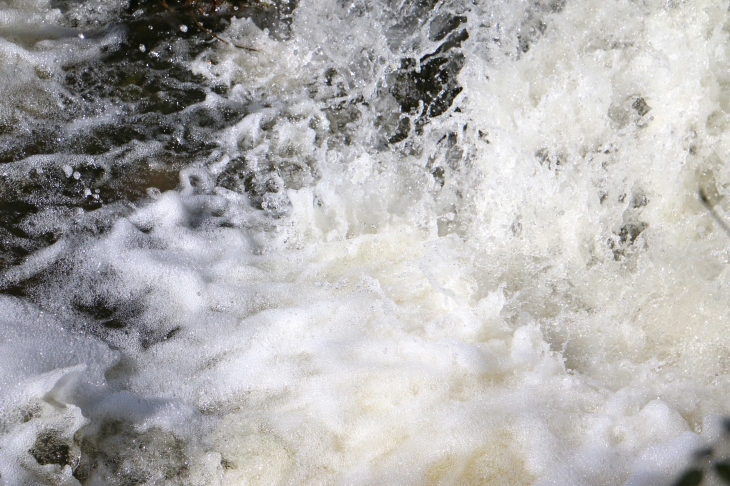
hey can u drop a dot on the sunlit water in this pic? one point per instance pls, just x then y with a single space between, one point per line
364 242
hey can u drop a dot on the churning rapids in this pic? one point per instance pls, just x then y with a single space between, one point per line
364 242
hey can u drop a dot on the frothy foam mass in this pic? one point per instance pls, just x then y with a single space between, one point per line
365 243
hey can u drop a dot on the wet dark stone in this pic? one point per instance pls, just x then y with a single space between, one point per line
622 242
444 24
153 101
105 454
693 477
557 5
342 115
640 106
329 76
234 176
412 15
263 185
111 315
134 82
15 243
703 453
548 159
12 213
438 176
523 43
49 448
639 200
402 131
725 420
46 188
630 231
722 469
24 288
428 87
150 93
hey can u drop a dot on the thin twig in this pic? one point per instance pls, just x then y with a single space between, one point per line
215 5
251 49
205 29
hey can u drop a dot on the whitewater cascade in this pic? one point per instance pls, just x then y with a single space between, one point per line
364 242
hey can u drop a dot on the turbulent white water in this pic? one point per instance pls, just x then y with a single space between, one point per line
522 286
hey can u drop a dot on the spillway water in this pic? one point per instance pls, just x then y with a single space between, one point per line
363 242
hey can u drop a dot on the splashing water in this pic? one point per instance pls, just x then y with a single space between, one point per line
363 242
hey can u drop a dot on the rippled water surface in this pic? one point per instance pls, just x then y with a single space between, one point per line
363 242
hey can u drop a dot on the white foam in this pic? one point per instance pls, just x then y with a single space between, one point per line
375 327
